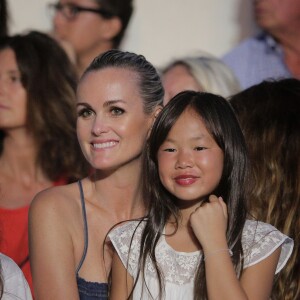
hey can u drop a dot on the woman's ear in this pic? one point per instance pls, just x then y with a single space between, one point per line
155 113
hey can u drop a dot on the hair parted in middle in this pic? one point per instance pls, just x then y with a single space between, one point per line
221 123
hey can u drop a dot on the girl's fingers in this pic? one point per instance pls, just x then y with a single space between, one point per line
223 205
213 198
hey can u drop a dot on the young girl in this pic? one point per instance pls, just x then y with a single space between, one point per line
196 242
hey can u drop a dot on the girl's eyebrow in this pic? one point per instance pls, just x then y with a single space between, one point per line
196 138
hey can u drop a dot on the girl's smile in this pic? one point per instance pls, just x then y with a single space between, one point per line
186 179
190 162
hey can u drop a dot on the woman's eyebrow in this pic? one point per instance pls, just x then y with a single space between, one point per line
83 104
112 102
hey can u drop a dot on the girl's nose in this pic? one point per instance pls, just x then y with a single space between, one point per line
184 160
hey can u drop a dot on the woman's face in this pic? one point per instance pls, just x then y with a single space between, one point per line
178 79
111 126
13 96
85 32
190 162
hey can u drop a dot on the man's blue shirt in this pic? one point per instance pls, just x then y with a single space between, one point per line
256 59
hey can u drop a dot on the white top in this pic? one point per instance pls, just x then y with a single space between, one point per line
259 240
15 284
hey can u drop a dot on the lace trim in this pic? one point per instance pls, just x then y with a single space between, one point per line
259 240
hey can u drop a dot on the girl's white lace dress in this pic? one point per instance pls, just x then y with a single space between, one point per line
259 240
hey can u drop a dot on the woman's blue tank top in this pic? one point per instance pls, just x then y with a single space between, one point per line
88 290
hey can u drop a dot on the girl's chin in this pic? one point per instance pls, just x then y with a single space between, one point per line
187 203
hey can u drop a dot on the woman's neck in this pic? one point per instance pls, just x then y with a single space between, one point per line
18 158
120 191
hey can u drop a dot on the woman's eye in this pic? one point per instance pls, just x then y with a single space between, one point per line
85 113
116 111
15 78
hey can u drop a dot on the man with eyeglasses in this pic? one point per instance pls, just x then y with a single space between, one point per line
87 28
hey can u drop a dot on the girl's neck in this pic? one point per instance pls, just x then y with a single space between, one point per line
186 208
182 238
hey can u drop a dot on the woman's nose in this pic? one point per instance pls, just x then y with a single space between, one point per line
100 126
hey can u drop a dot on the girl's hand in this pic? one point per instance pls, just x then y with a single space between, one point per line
209 223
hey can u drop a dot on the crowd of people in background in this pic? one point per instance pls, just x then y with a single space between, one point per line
120 180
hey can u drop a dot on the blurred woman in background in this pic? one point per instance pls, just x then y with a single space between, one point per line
38 143
201 73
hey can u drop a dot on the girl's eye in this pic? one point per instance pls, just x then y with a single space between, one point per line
85 113
200 148
169 150
117 111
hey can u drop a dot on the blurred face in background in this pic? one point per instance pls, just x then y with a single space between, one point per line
85 31
277 15
178 79
13 96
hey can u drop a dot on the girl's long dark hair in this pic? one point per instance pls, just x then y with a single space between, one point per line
221 122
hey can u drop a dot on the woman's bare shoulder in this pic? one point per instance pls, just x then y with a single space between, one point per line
58 200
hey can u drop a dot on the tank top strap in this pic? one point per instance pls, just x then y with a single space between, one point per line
85 225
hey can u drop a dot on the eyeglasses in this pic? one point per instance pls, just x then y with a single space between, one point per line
70 11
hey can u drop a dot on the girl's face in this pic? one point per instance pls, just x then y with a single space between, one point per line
13 96
111 126
85 31
190 162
